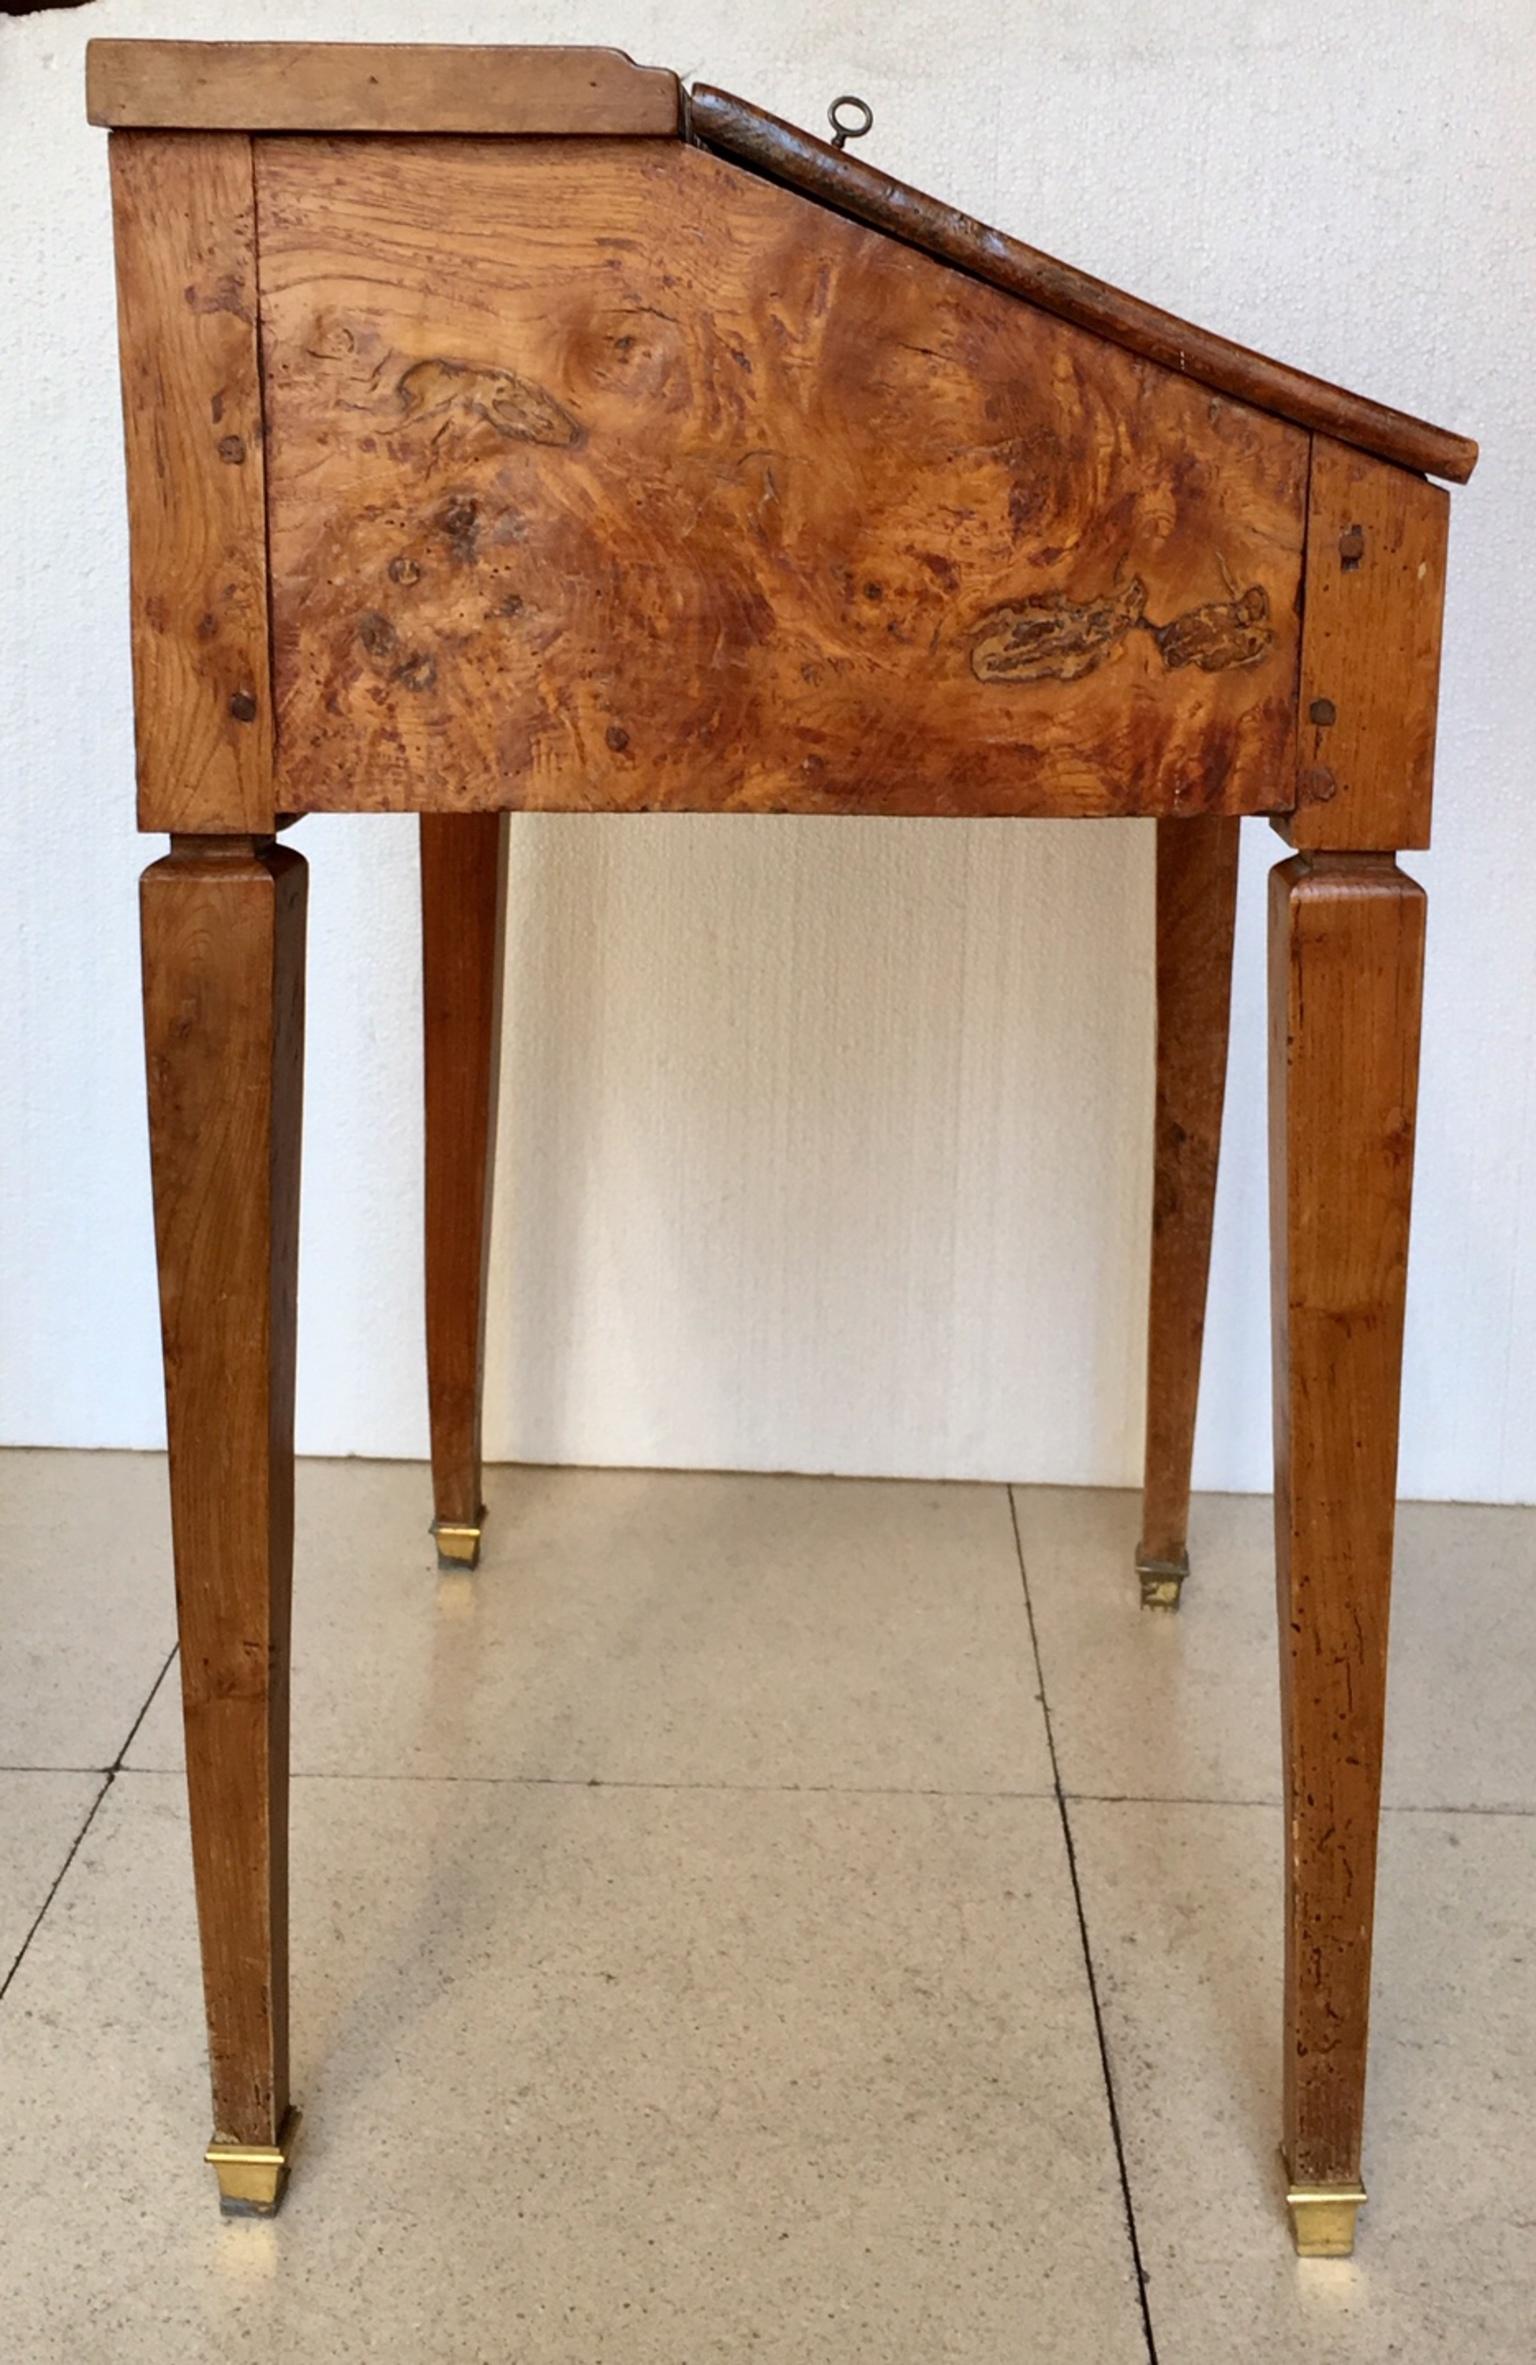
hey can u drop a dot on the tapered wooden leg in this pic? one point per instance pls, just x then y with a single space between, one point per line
463 904
1196 904
223 945
1346 964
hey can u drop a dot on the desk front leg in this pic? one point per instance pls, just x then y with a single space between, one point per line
223 943
1346 966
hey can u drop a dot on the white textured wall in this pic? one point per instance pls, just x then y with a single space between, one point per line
825 1144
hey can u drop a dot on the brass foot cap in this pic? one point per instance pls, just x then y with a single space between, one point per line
1162 1577
254 2176
1323 2218
458 1546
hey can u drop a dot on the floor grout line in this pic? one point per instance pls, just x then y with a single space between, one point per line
1087 1798
1413 1807
1091 1798
149 1701
609 1782
108 1776
1082 1931
74 1849
1139 1798
1161 1798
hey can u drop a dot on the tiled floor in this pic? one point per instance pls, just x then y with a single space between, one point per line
693 1947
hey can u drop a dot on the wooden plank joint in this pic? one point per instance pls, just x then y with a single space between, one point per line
185 218
1373 592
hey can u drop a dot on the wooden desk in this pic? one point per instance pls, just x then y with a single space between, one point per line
507 430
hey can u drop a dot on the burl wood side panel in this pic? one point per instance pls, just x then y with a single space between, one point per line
185 229
1370 667
606 475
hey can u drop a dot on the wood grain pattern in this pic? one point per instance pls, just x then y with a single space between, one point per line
184 218
223 939
835 177
463 909
377 86
1370 659
606 475
1196 910
1346 954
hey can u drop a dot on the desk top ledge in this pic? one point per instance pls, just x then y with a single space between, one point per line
357 86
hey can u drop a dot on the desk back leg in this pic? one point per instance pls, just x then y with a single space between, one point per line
463 918
223 943
1196 903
